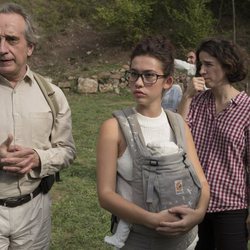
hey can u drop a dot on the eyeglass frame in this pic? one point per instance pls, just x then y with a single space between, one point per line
141 75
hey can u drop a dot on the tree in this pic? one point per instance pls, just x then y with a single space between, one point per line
185 22
234 26
191 21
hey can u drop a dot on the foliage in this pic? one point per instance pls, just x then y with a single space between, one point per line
128 17
192 21
54 16
186 21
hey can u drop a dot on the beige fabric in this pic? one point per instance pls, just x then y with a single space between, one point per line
26 114
29 225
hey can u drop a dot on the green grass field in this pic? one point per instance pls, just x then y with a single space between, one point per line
78 222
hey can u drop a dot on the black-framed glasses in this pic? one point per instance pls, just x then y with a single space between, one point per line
148 78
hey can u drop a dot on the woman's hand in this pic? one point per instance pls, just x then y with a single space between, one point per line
196 85
187 219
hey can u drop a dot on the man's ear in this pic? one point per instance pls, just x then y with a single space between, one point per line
30 49
168 82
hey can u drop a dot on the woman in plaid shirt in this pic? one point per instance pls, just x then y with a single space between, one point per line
219 119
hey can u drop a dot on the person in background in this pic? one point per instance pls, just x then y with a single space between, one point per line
172 97
188 66
219 119
32 144
191 57
150 74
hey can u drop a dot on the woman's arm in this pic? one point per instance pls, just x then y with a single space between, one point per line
185 66
190 217
205 191
108 148
196 85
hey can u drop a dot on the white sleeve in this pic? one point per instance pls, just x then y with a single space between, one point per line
185 66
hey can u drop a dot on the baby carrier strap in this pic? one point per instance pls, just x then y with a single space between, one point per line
132 131
177 124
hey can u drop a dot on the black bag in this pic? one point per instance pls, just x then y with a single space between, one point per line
47 183
114 223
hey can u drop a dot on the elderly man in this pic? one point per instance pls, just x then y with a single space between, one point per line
34 144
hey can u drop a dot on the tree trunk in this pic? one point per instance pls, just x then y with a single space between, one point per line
234 26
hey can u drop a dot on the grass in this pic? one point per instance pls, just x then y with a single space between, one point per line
78 222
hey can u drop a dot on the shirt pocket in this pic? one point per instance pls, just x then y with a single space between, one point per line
41 126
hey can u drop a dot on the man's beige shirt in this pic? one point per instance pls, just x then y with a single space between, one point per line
26 114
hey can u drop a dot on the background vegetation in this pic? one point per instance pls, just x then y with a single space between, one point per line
184 21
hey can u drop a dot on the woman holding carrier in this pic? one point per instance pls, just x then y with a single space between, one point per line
126 185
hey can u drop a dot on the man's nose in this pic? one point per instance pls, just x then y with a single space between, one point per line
3 46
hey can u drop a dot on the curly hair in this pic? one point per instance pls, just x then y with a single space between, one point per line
158 47
232 57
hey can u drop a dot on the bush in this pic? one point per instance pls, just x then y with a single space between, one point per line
192 22
127 17
185 22
54 16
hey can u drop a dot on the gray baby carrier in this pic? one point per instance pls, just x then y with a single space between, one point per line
159 181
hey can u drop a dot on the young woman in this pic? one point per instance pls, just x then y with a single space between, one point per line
219 119
150 74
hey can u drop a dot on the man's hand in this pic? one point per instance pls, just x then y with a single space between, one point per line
18 159
5 146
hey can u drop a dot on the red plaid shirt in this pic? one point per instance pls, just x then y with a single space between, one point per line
223 145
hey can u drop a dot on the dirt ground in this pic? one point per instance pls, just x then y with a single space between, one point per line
75 50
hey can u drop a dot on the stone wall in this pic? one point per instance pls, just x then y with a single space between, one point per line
114 81
111 81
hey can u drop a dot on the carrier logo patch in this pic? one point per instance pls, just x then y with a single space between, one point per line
178 187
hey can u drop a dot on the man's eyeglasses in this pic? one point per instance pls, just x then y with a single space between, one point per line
148 78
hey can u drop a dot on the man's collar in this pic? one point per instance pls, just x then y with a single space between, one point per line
28 77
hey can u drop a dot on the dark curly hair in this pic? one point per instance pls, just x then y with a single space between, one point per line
158 47
232 58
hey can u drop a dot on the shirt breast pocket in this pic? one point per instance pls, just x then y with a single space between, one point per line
41 127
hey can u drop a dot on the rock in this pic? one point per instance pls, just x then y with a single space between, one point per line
103 88
64 85
87 85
